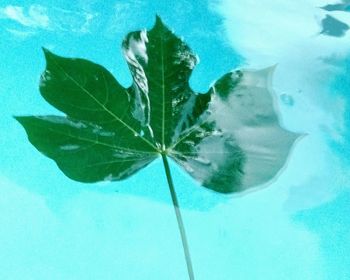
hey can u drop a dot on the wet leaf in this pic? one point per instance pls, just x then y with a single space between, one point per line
229 139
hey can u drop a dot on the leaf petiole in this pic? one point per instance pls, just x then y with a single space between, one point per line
178 217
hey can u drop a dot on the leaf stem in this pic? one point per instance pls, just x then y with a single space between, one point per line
178 217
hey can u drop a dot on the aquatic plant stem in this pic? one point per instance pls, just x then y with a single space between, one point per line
178 217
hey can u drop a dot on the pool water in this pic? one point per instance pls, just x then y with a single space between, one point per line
296 226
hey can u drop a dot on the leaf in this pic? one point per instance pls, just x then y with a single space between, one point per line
229 139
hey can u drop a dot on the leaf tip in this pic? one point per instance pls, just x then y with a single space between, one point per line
21 120
272 68
17 118
47 53
158 20
159 23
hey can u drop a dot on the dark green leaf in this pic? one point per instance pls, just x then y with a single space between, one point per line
84 151
229 139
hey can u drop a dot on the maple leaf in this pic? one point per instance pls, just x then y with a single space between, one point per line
229 139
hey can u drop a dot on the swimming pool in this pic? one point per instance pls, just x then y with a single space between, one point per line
295 227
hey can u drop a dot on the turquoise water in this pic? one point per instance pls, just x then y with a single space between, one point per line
296 227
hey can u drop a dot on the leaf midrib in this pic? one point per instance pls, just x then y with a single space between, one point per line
163 92
96 142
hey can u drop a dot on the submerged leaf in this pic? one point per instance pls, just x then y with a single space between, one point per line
229 139
239 144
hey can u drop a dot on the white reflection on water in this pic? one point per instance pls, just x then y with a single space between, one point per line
288 35
309 50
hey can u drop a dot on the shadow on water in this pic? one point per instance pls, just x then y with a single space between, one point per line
333 27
